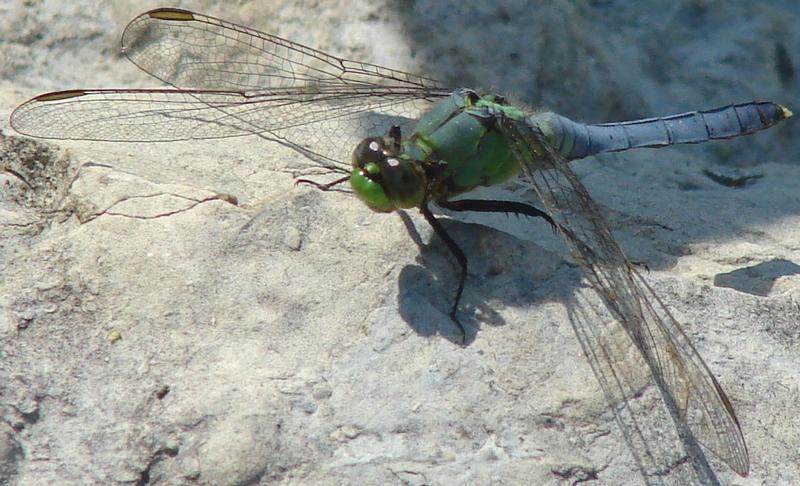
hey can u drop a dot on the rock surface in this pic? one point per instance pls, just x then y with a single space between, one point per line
156 330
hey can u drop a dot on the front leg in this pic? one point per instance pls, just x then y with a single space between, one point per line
322 187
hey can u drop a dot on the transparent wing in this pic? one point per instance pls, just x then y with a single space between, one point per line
675 363
323 126
191 50
237 82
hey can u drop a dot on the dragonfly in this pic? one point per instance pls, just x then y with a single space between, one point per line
226 80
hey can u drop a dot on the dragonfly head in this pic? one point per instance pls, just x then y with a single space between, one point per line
385 180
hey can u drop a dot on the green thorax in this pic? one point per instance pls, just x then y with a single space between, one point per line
458 135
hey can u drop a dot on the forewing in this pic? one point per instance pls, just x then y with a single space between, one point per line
675 363
194 51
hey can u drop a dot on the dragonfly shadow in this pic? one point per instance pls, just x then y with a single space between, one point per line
502 271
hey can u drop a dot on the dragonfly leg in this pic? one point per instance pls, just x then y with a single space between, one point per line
488 206
460 257
320 186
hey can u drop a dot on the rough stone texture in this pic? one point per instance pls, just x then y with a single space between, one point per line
154 332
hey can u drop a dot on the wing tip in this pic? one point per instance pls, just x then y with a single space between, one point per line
16 119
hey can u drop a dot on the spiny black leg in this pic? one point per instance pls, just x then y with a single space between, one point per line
322 187
480 205
484 206
462 262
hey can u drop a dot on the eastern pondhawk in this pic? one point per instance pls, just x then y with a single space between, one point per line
232 81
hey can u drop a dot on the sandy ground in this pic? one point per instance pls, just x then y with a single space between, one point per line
154 332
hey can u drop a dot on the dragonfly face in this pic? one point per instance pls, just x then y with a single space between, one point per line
383 179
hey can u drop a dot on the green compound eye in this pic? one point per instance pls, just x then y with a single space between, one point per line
370 191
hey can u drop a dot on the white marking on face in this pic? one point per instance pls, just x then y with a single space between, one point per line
393 162
374 146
